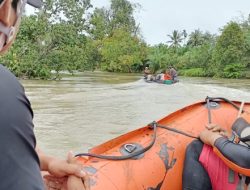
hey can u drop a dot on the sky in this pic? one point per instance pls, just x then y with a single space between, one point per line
158 18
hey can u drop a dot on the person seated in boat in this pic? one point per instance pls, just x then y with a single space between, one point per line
167 75
160 77
146 72
163 76
147 75
217 161
173 74
21 162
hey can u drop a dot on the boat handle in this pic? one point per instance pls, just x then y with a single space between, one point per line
129 147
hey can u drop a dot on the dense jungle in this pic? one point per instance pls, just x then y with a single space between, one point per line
74 36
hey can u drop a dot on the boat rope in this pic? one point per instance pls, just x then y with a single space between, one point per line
209 111
154 126
177 131
125 157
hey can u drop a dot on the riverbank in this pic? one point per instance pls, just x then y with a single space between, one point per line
200 72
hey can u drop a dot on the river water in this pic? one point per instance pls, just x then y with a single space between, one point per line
80 112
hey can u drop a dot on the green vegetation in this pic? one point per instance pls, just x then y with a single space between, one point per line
72 36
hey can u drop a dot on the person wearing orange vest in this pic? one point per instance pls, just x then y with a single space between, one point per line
167 76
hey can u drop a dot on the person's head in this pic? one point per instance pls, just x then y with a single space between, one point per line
10 17
170 67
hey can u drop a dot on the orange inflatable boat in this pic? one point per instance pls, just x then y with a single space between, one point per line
151 158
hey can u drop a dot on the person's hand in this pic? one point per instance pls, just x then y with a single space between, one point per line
58 167
74 182
54 183
67 183
209 137
61 168
216 128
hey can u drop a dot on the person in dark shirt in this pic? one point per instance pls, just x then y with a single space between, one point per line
21 161
173 74
217 161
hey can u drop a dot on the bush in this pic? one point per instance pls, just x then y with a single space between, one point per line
235 70
195 72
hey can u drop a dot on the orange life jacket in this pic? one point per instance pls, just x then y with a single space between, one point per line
167 77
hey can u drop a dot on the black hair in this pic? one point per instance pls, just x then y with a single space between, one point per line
14 4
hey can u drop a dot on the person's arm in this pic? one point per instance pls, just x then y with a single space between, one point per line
233 155
58 167
209 137
44 159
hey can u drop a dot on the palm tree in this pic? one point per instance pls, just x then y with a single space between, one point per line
184 33
176 39
195 38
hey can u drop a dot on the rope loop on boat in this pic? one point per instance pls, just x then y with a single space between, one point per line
208 99
215 99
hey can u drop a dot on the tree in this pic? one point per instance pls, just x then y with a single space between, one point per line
99 24
195 38
175 39
229 50
158 57
121 13
185 34
121 51
52 39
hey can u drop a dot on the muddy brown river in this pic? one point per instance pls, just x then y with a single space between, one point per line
80 112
